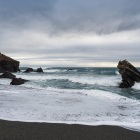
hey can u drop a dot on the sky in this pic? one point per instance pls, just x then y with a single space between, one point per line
90 33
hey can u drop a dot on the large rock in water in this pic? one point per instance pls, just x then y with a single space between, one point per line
28 70
18 81
8 64
39 70
129 74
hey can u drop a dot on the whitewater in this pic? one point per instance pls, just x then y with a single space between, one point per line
88 96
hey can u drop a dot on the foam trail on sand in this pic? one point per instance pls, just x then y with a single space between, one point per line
90 107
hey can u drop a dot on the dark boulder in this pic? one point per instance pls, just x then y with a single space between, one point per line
7 75
8 64
39 70
129 74
18 81
29 70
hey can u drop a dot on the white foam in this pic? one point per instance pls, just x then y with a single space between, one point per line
136 86
104 80
99 80
51 70
90 107
117 72
94 93
5 81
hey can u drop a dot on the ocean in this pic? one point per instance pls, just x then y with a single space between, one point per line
87 96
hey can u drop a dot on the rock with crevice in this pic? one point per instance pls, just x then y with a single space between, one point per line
129 74
8 64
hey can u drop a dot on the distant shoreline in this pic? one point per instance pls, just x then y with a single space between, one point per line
10 130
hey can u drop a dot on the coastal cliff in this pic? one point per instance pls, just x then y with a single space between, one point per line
8 64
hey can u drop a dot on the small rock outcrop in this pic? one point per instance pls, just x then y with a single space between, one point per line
29 70
18 81
7 74
129 74
8 64
39 70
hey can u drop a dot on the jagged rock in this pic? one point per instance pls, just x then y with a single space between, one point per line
29 70
129 74
8 64
39 70
18 81
7 75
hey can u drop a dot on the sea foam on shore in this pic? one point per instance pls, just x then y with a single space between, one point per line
79 96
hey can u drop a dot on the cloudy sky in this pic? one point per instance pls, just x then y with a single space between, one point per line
70 32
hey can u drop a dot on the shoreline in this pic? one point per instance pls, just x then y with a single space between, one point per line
12 130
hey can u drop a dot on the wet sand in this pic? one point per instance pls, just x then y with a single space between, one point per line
10 130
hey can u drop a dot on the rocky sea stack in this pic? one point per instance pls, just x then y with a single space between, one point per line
8 64
129 74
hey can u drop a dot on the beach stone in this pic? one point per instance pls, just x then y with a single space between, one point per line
18 81
7 75
8 64
39 70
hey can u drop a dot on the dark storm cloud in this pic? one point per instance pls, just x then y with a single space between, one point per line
11 8
101 17
93 16
22 13
51 30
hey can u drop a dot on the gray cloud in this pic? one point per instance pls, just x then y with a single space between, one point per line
21 14
50 30
100 17
92 16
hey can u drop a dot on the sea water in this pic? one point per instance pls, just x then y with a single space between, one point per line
71 95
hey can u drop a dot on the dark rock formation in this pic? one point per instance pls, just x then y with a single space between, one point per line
8 64
39 70
7 75
18 81
33 70
29 70
129 74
